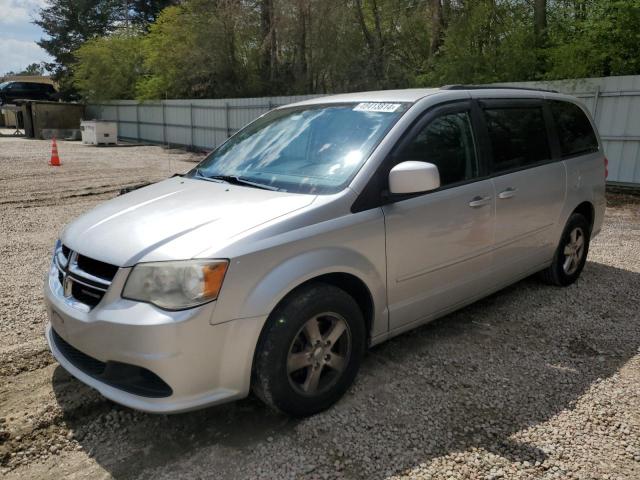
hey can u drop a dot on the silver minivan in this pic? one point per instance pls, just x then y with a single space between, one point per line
320 229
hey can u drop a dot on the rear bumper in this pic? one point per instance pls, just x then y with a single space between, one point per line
203 364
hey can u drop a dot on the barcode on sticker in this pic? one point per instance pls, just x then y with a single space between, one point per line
376 107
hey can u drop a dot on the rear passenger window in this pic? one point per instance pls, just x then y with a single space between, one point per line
447 142
518 137
574 129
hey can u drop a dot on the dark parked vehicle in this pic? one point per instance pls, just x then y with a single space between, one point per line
11 91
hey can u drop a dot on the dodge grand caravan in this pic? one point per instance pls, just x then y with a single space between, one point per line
320 229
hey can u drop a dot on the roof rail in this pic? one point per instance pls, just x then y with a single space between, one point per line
488 87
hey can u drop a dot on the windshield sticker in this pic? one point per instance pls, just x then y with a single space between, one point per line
376 107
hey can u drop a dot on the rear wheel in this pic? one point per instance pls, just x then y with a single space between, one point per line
310 350
571 254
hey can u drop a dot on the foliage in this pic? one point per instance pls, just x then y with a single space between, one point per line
600 39
32 69
486 42
68 24
232 48
108 67
144 12
195 52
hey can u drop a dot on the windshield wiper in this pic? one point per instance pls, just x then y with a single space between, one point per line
242 181
197 173
235 180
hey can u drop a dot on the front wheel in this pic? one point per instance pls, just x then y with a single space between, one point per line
571 254
310 351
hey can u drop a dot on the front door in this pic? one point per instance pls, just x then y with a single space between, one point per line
439 244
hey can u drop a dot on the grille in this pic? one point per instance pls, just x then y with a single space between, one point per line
87 295
88 279
97 268
124 376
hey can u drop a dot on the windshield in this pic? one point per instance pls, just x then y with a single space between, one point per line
314 149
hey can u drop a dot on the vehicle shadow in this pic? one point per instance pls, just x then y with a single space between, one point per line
470 380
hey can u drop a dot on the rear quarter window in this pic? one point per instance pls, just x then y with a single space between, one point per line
574 129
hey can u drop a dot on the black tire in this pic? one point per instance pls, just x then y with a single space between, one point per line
285 335
556 273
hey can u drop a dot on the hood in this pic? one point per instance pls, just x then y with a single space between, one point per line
175 219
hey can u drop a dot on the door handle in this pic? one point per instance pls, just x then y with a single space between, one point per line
507 193
479 201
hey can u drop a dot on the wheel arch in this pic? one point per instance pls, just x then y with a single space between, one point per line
344 268
587 210
351 284
271 377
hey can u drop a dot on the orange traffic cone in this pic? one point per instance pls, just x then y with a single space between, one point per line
55 159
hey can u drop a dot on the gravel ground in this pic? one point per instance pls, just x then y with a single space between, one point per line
533 382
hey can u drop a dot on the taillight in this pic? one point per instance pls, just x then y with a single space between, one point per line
606 168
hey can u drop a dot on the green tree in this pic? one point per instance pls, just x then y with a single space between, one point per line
399 38
319 48
144 12
108 68
68 24
200 49
594 38
32 69
229 48
486 41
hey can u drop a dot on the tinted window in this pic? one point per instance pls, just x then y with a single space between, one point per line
518 137
574 129
37 87
447 142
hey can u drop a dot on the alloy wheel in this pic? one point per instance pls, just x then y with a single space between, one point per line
573 251
319 354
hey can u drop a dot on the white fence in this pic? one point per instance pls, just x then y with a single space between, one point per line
201 124
614 102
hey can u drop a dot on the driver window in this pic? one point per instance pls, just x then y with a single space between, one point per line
447 142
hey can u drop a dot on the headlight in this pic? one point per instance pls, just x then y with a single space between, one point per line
176 285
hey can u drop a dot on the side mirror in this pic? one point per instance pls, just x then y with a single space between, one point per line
413 177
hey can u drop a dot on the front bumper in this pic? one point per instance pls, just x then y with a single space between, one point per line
203 364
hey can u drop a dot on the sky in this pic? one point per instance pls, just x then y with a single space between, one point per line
18 35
